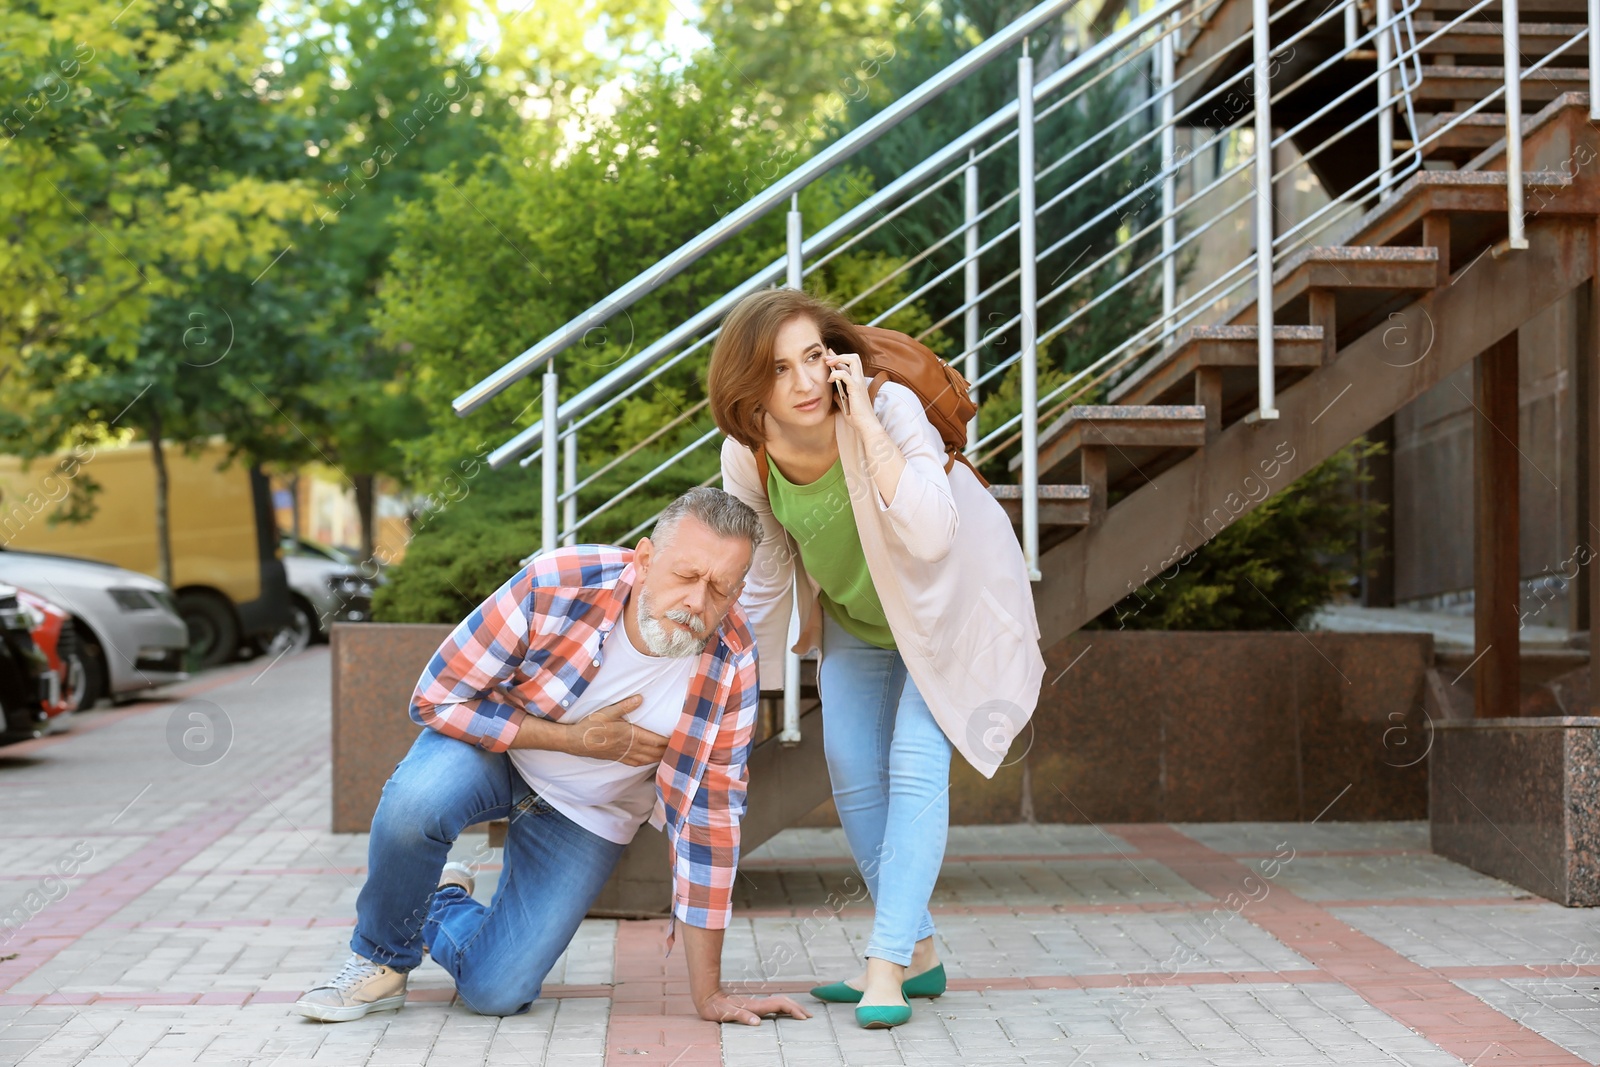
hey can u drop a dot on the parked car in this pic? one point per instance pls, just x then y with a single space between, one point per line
24 673
325 586
126 623
227 579
57 638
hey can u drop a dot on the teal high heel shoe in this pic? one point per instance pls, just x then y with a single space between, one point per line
930 983
882 1016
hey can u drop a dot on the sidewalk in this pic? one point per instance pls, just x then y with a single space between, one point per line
173 887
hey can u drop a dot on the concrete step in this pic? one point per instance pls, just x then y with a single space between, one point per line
1463 136
1063 510
1443 85
1475 200
1343 267
1474 38
1117 447
1213 366
1565 10
1059 505
1345 289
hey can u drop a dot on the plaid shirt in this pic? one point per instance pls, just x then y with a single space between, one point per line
535 645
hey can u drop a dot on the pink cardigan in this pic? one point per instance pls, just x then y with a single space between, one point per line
946 566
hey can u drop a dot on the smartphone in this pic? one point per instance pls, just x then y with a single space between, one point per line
841 397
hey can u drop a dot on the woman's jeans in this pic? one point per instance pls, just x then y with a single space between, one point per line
553 869
890 766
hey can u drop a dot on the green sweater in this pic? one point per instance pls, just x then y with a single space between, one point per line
819 517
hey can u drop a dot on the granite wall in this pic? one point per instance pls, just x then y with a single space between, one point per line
1519 799
375 669
1131 727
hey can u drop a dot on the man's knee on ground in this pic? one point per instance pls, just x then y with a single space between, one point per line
500 997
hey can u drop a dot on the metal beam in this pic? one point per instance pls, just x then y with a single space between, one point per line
1496 512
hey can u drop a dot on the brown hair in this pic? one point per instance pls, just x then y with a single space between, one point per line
740 376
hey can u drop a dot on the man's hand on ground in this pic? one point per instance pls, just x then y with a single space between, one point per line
607 735
723 1007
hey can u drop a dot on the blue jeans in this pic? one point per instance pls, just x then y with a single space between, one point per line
890 766
553 869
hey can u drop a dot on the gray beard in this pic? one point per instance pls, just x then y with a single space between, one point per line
674 645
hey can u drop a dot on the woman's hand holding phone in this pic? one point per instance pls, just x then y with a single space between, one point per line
850 386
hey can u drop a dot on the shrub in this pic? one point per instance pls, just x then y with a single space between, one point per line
1272 567
464 551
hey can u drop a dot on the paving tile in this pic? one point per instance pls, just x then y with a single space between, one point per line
1477 936
212 895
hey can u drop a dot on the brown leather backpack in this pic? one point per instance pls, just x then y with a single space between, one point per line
945 394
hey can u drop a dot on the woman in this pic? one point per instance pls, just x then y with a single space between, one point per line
913 588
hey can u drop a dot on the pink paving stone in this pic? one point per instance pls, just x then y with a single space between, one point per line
142 998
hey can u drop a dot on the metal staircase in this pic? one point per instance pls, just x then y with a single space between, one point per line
1436 242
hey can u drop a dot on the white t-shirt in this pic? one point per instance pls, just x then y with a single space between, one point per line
606 797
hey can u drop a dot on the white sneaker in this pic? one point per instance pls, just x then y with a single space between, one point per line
361 986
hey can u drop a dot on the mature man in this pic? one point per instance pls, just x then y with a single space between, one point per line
539 713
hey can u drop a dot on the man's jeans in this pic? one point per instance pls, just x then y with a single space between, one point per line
553 870
890 766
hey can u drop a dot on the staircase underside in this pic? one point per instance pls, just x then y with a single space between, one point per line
1223 49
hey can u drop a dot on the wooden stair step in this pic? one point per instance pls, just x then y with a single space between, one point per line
1059 504
1110 444
1472 38
1166 376
1443 84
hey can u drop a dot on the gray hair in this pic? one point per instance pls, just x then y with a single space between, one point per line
724 514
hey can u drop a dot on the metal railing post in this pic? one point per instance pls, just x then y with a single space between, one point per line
1169 181
1385 44
796 276
789 734
1267 404
1594 60
1513 61
1352 23
1027 265
569 479
547 470
970 295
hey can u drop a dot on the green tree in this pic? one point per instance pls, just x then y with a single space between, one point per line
149 187
498 256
